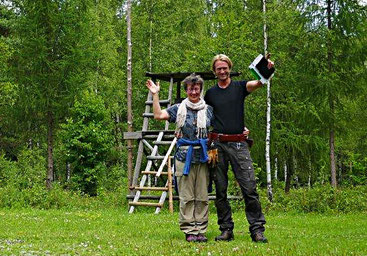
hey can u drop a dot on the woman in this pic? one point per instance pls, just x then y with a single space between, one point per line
192 118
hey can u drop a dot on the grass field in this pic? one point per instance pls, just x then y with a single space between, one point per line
115 232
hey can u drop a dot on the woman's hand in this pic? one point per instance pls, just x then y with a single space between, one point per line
154 88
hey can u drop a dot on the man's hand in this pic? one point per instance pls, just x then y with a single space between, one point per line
253 85
246 131
270 63
154 88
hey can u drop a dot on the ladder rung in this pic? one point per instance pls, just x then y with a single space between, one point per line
162 102
145 204
152 188
155 157
168 136
156 132
162 142
154 173
148 115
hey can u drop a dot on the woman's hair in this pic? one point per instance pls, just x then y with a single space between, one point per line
193 79
221 57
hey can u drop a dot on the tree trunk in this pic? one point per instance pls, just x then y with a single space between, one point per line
129 95
285 171
118 132
331 102
68 171
310 172
150 35
290 171
268 117
50 161
332 160
276 168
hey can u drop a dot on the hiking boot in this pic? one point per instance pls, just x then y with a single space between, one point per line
227 235
259 237
191 238
201 238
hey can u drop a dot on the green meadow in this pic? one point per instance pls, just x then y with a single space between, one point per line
115 232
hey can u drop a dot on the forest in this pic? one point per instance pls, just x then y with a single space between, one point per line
64 87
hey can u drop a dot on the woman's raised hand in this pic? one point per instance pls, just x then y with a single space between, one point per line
154 88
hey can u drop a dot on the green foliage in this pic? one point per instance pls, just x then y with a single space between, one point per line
8 171
321 199
38 197
22 182
25 173
51 52
87 137
22 186
356 173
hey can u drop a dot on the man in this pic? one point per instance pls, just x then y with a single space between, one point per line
227 99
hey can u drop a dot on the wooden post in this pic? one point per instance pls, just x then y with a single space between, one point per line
170 196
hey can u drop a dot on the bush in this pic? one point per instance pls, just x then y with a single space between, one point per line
320 199
27 172
7 171
87 137
22 185
58 198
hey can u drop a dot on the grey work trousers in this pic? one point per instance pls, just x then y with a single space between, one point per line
238 155
194 199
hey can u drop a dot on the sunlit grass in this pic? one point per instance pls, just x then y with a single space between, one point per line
115 232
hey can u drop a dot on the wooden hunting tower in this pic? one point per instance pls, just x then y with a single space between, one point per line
156 144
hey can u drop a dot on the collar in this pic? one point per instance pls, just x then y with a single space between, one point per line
223 88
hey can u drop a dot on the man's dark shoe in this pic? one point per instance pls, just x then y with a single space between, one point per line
201 238
191 238
259 237
227 235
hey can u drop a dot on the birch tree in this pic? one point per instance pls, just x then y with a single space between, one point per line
268 116
129 93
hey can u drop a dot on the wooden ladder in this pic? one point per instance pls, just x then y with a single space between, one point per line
156 141
167 189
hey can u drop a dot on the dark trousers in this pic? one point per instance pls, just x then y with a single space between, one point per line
238 155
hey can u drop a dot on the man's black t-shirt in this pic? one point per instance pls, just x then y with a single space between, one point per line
228 106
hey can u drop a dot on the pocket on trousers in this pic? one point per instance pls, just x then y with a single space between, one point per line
179 166
242 151
249 170
243 156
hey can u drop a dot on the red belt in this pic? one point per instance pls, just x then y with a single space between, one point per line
227 137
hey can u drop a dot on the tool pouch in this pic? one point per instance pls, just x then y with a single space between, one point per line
213 157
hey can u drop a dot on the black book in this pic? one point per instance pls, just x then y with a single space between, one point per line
259 68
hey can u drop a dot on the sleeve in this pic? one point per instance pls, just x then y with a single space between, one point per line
206 97
172 112
210 115
244 83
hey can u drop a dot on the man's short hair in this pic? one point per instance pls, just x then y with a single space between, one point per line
221 57
193 79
